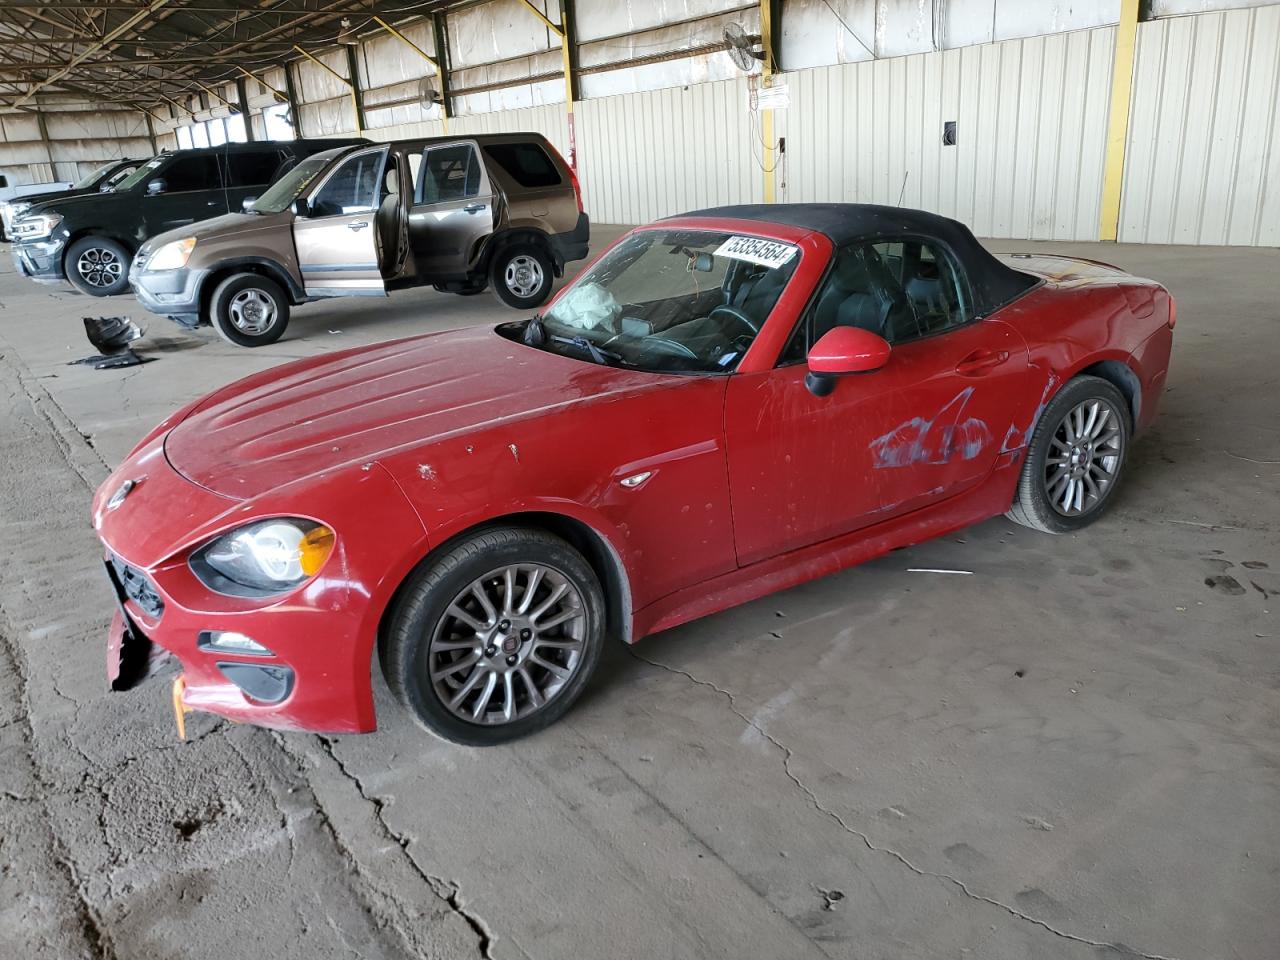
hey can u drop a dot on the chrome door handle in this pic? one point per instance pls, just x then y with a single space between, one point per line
358 225
474 207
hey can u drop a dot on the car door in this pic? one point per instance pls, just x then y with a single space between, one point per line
336 239
191 191
925 427
453 209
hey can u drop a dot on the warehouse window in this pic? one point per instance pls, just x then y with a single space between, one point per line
526 163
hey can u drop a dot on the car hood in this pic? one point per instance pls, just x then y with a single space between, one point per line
227 225
316 415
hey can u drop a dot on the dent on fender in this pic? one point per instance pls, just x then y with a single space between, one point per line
1017 438
935 440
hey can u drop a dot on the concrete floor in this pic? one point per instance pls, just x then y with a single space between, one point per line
1074 752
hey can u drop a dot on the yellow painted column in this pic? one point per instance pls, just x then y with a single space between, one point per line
1118 123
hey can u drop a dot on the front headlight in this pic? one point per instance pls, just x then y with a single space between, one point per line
17 208
172 255
36 226
264 558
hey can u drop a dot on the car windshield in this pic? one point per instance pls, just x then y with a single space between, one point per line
142 173
669 301
85 183
280 195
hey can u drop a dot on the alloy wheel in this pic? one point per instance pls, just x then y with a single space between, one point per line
523 275
252 312
1084 457
99 267
508 644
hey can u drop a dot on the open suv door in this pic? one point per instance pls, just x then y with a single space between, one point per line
336 236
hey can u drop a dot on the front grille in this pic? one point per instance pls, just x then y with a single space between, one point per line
137 588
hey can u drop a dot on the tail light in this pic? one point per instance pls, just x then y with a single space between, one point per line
1173 312
573 177
577 187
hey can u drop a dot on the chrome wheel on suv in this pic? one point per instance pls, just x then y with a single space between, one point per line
249 310
522 275
252 312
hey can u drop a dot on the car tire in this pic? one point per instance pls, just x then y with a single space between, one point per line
1075 459
522 275
501 688
98 266
249 310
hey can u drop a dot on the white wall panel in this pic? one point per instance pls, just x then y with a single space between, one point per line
1203 157
1031 119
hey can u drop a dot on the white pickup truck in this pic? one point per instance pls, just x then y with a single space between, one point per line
9 193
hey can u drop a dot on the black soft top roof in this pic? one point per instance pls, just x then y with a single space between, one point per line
992 283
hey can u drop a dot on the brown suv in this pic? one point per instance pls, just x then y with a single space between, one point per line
461 213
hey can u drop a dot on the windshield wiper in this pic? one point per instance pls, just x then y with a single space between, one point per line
603 357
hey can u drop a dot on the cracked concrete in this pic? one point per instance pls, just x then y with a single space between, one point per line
1073 753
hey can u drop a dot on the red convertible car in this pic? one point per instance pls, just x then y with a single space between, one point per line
725 404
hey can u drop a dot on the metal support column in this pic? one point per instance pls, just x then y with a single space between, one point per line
291 94
768 158
243 96
569 57
351 84
431 61
440 26
357 95
48 144
1118 122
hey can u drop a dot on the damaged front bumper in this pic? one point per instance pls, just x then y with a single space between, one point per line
170 293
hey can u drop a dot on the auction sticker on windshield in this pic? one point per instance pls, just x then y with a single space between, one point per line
768 253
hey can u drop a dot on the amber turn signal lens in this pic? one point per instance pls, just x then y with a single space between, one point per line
314 550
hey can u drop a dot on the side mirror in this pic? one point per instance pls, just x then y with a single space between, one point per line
301 207
842 351
156 186
247 204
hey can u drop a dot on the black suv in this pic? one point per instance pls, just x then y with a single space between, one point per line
90 239
102 180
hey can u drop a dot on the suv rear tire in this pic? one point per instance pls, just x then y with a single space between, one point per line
249 310
98 266
522 275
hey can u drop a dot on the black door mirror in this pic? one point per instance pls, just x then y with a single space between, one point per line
301 207
156 186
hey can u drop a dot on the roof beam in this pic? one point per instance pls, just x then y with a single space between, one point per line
93 48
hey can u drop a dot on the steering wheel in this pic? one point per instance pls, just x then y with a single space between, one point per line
737 314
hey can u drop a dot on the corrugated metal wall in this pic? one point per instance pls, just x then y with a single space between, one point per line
1203 157
1031 120
651 154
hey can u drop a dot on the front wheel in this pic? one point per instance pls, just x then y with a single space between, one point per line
98 266
1074 459
249 310
522 276
497 638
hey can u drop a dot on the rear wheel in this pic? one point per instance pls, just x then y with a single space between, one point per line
98 266
522 275
249 310
497 638
1075 458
